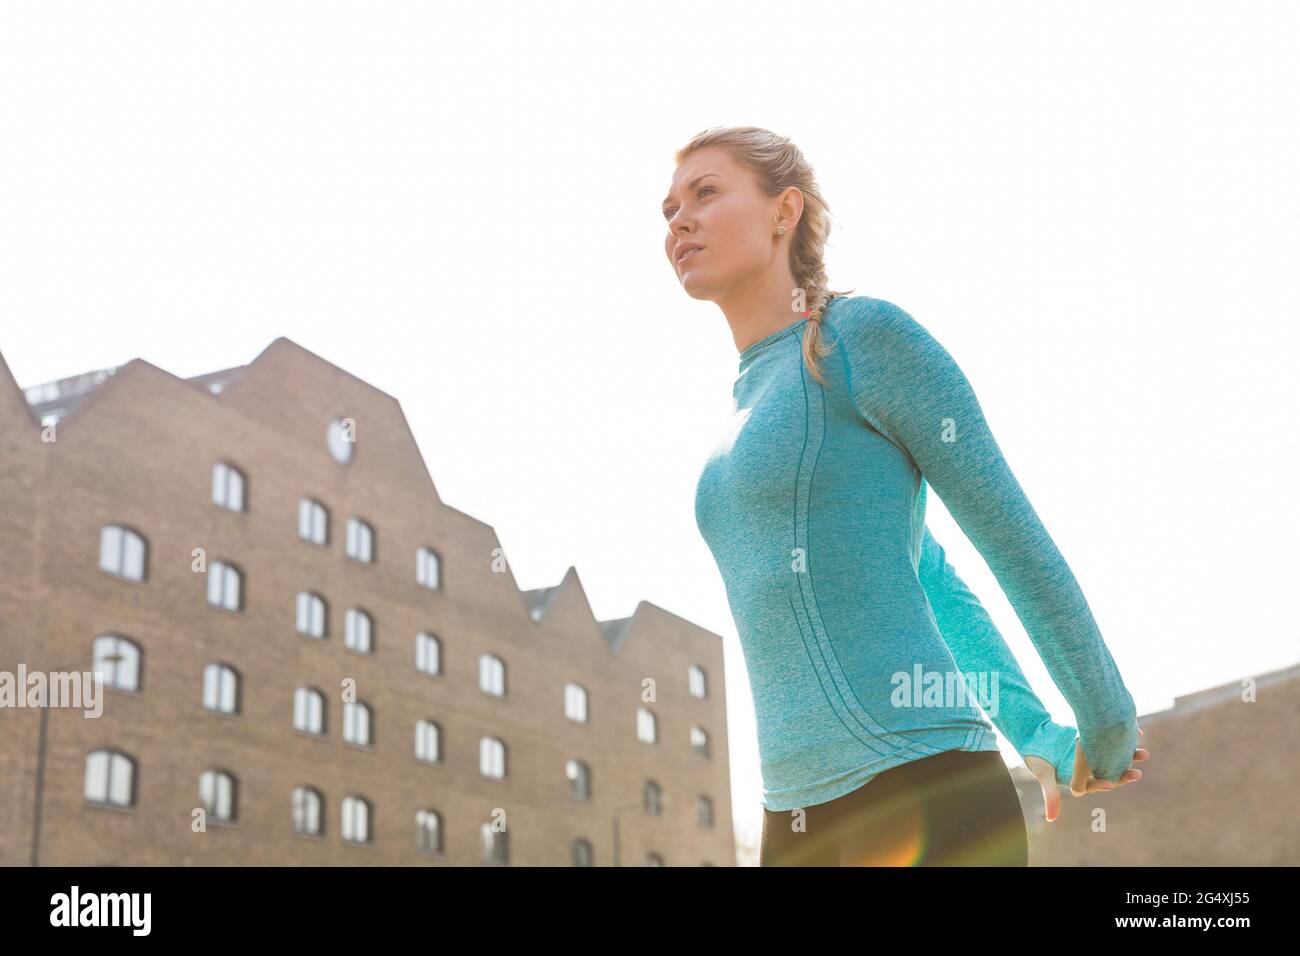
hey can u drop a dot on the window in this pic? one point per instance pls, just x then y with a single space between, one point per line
492 675
227 486
580 852
575 703
117 661
428 832
225 586
361 541
340 436
428 654
110 778
579 775
356 723
654 859
427 741
313 521
221 689
122 552
654 798
309 710
356 819
704 811
645 726
426 568
492 758
698 686
310 618
496 846
700 742
358 625
217 793
307 804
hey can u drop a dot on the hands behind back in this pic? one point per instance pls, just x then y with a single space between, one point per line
1082 781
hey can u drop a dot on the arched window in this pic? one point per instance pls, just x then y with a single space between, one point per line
496 844
427 741
492 675
110 778
492 758
653 797
357 628
123 552
117 661
309 710
580 852
428 831
427 568
428 653
579 775
217 792
575 703
698 685
310 616
227 486
313 521
307 806
221 688
225 586
356 819
700 742
704 810
356 723
646 728
361 541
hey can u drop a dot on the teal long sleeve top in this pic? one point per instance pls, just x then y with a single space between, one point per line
864 648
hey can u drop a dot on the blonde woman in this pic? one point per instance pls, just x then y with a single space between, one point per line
869 659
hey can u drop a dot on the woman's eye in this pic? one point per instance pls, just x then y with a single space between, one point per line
668 213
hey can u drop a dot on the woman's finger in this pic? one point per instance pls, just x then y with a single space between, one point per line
1128 776
1051 797
1079 782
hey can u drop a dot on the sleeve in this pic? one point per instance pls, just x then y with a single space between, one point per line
908 388
977 646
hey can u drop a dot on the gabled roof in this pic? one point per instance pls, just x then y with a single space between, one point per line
11 396
618 628
538 600
66 396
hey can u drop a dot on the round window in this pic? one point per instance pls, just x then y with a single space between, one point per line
341 437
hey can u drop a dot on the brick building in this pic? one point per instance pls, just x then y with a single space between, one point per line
1214 792
308 657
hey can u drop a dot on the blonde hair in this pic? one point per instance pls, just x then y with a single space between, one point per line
778 164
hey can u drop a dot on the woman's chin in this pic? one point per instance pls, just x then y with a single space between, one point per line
696 287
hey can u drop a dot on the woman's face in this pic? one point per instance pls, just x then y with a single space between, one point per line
715 204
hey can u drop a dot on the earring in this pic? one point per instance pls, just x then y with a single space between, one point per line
780 230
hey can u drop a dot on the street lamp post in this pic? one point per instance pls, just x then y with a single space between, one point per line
632 806
40 755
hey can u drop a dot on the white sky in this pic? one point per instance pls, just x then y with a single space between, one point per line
1093 208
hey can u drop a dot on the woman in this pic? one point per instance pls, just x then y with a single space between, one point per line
862 644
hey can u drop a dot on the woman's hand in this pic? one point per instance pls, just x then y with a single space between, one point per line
1083 782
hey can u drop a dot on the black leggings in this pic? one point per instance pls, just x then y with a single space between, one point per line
956 808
